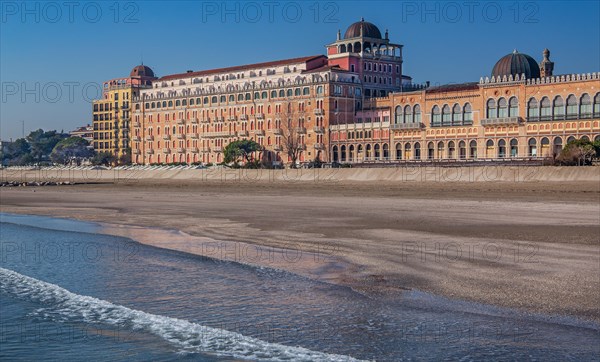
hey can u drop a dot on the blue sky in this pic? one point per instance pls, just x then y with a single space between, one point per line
51 52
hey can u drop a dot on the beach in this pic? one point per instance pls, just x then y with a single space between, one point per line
529 245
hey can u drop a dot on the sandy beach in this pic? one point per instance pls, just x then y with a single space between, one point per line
527 245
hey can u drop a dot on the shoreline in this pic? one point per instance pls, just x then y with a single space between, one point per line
538 271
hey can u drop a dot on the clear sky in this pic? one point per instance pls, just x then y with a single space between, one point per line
55 55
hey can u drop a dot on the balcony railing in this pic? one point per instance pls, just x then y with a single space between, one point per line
149 138
166 150
319 112
136 138
137 124
500 121
206 150
194 150
181 150
150 151
411 125
301 130
258 132
194 136
180 136
232 118
166 137
318 129
260 116
277 131
278 148
244 117
242 133
319 146
136 152
194 121
217 149
181 121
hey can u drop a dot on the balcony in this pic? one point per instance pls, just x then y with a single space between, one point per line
260 116
194 136
319 146
410 125
205 120
150 151
258 132
181 136
206 150
301 130
136 152
219 134
242 133
136 138
180 121
500 121
244 117
166 137
319 112
318 129
149 138
137 124
278 131
194 150
232 118
194 121
181 150
217 149
166 150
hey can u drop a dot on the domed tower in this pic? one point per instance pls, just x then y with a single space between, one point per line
546 66
516 64
142 71
376 61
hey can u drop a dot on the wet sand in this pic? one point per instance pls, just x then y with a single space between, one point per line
534 246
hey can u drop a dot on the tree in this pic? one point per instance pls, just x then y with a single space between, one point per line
71 150
292 132
16 153
103 158
43 142
578 152
239 150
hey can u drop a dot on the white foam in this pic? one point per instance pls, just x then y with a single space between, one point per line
188 337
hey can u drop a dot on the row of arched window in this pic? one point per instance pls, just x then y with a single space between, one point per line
502 108
445 116
559 109
232 98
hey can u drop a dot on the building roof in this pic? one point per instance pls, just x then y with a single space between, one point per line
240 67
142 71
453 87
516 63
369 30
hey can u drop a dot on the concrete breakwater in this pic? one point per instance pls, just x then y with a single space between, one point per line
219 174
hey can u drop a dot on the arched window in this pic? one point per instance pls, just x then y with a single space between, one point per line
597 105
177 103
436 117
231 98
491 109
223 99
213 99
585 106
247 96
184 102
417 113
533 111
191 102
473 149
467 114
407 114
273 94
456 115
289 93
297 91
281 93
170 103
417 155
571 107
513 107
514 148
532 144
502 148
559 108
305 91
446 115
546 109
256 95
263 95
240 97
205 101
320 89
398 115
502 108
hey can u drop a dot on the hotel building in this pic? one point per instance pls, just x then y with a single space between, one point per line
352 105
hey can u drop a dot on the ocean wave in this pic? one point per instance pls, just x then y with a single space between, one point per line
188 337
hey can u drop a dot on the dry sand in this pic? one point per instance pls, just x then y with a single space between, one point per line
528 245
